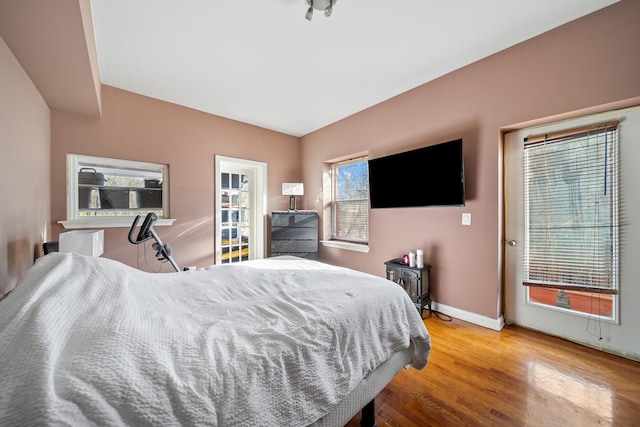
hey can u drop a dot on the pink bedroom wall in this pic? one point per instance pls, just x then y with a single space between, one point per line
135 127
54 42
24 170
586 63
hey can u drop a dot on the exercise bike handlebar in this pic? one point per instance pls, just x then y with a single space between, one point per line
147 232
145 229
133 227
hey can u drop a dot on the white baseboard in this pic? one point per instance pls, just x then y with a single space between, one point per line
596 346
467 316
498 324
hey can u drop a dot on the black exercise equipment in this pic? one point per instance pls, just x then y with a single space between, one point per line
163 250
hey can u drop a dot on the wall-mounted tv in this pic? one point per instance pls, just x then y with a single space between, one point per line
428 176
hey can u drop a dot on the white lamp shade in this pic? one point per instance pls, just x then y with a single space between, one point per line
85 242
292 189
322 4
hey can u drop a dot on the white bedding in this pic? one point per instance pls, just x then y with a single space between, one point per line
274 342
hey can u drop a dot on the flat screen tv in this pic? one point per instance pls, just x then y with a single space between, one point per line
428 176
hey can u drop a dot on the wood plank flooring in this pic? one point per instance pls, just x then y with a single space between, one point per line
515 377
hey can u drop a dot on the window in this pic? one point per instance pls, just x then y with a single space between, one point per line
234 211
350 201
571 214
103 192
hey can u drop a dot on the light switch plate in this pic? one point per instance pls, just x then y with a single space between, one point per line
466 219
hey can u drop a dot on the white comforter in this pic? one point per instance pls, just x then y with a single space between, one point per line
90 341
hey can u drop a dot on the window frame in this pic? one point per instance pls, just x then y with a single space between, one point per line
567 278
138 170
341 241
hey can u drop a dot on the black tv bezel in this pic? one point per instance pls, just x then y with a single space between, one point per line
416 178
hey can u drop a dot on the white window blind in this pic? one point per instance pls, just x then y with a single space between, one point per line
350 201
571 209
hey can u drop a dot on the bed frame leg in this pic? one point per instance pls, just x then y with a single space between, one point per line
369 415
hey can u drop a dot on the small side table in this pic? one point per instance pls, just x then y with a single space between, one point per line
414 280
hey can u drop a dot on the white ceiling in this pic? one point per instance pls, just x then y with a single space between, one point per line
261 62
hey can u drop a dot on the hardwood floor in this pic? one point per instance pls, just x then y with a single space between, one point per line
516 377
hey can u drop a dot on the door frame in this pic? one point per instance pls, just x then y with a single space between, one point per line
618 336
258 241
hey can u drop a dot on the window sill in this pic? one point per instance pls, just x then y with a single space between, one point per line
358 247
108 222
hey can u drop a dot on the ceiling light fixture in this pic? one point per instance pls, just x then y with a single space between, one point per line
326 5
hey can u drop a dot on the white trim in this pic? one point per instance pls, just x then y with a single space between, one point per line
467 316
108 222
597 346
357 247
142 169
258 246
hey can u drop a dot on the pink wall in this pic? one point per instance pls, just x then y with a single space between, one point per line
54 43
586 63
24 170
135 127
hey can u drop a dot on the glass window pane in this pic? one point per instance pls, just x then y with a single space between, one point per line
224 180
244 231
571 206
244 200
350 201
571 221
234 198
104 187
582 302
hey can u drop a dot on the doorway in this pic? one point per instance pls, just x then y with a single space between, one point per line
568 255
240 210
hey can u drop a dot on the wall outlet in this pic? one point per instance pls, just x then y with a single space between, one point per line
466 219
192 268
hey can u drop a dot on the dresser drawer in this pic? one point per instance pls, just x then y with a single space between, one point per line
287 233
294 246
298 220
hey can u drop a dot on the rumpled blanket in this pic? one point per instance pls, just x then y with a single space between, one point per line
275 342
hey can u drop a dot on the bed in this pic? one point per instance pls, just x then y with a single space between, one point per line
278 342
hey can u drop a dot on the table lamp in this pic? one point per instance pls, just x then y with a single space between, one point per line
292 189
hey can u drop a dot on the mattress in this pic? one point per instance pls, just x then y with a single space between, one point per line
367 390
